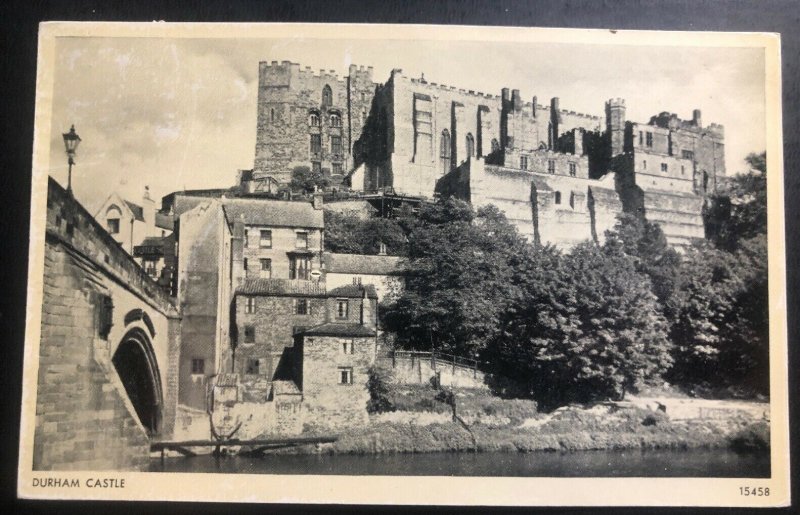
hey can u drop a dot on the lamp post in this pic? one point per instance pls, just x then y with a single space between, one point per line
71 141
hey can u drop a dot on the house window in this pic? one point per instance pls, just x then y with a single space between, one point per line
272 115
299 267
523 162
316 143
683 170
336 168
252 366
250 305
558 197
198 366
265 240
649 139
345 375
316 167
327 96
301 307
644 165
265 271
336 145
113 225
470 145
664 167
336 120
572 199
347 347
302 240
313 120
342 306
246 238
249 334
687 154
573 169
244 264
551 166
641 138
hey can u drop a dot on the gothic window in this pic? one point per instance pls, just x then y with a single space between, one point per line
649 139
523 162
495 145
470 145
423 129
313 120
316 143
113 215
336 120
551 166
573 170
558 197
444 151
327 96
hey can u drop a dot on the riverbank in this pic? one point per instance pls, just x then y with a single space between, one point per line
485 423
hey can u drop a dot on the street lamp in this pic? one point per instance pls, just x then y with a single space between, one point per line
71 141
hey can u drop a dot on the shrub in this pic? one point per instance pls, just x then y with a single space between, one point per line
754 437
379 391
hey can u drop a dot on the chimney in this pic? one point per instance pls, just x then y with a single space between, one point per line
367 311
516 99
697 118
317 202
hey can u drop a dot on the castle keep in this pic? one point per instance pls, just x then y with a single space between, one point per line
560 176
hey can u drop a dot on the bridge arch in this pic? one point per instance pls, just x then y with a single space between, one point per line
137 368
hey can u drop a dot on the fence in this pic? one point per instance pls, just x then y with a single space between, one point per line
420 367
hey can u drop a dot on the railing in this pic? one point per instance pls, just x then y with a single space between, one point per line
436 358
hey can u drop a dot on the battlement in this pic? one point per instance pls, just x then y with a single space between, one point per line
444 87
615 102
281 68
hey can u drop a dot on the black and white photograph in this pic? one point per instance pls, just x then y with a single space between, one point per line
468 265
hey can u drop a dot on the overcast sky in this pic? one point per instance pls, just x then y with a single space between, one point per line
180 113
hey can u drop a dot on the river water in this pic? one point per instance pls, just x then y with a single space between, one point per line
629 463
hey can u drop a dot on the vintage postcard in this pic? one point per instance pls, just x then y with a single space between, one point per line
464 265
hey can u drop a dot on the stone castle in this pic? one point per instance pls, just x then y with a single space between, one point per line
560 176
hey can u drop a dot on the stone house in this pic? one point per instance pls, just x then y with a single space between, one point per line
129 223
385 273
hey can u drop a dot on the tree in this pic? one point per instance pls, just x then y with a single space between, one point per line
740 212
587 328
462 280
305 180
351 233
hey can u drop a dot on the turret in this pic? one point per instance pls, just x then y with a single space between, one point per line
615 125
697 118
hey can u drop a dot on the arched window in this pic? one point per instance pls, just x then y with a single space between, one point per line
336 120
495 145
327 96
470 145
313 119
113 215
444 151
558 197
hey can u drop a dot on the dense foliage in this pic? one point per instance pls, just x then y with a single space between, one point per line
350 233
305 180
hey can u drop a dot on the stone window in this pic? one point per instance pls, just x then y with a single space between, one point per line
272 115
644 164
198 366
342 307
336 145
641 138
250 305
649 139
336 168
313 120
558 197
551 166
316 167
687 154
683 170
345 375
523 162
302 240
301 307
299 267
327 96
316 143
246 237
336 120
572 199
573 169
664 167
470 145
444 151
113 225
423 128
252 366
266 268
347 347
265 239
249 334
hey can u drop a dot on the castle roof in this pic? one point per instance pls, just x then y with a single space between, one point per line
363 264
334 329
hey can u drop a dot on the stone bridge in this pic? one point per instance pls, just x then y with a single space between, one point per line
109 347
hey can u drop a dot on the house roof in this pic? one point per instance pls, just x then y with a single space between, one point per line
273 213
302 288
227 380
136 209
363 264
334 329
